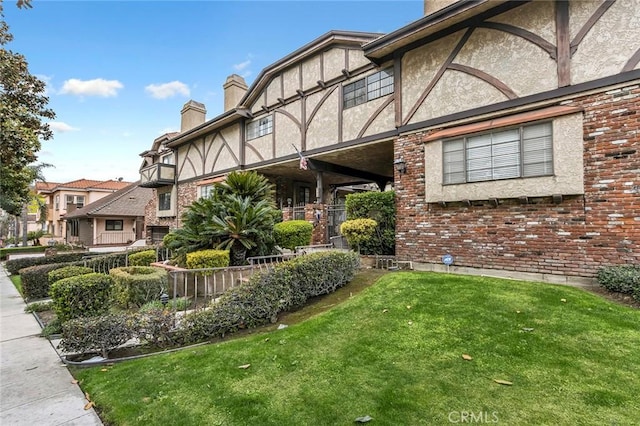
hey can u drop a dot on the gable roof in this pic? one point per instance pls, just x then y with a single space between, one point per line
129 201
82 184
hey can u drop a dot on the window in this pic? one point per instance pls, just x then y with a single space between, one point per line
205 191
57 202
260 127
164 201
369 88
73 228
113 225
167 159
78 200
525 151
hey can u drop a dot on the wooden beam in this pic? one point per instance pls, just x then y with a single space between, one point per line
563 43
323 166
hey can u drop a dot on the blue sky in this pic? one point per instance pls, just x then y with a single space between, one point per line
118 73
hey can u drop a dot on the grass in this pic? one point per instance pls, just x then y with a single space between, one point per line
393 352
17 282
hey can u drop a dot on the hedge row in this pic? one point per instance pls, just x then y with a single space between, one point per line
142 258
293 233
208 259
14 265
81 296
622 279
137 285
35 279
267 294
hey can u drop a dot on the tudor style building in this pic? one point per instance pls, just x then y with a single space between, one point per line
509 129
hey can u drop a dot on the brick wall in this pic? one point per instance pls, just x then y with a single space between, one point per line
571 237
187 194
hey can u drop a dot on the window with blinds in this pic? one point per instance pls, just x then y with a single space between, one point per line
525 151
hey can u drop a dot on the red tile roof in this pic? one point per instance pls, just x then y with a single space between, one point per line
83 184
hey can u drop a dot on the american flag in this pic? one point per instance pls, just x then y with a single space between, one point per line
303 163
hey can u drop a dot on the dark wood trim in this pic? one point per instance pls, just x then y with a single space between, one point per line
438 75
300 82
273 136
473 21
225 144
321 54
253 148
319 105
503 88
589 24
303 123
525 34
375 115
397 89
288 115
632 62
209 175
575 89
346 59
242 139
563 43
340 112
186 159
282 85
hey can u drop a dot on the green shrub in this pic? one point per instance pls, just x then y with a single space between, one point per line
67 272
142 258
137 285
4 252
260 300
293 233
13 266
81 296
156 327
39 306
379 206
358 232
621 278
35 279
208 259
102 333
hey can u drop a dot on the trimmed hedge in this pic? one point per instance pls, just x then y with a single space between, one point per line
35 279
208 259
622 279
81 296
293 233
142 258
260 300
358 232
381 207
67 272
13 266
4 252
103 333
137 285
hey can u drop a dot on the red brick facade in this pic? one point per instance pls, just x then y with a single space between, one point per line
574 236
187 194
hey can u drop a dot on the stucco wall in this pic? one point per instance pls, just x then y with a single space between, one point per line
323 128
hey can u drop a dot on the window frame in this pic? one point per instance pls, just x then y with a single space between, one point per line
114 225
259 127
163 204
521 153
364 89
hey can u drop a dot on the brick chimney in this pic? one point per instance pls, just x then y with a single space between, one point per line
432 6
234 89
193 114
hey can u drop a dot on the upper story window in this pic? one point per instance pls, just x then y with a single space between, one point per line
57 203
524 151
369 88
260 127
78 200
167 159
164 201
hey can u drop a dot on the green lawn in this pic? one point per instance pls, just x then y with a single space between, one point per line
17 282
394 352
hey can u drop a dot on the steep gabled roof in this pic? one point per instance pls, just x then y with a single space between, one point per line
129 201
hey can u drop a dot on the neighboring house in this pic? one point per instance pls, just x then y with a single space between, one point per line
117 218
509 130
63 198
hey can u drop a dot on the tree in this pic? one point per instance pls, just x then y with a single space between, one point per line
23 107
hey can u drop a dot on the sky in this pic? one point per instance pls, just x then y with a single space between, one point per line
119 72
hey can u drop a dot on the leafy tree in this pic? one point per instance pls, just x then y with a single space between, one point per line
23 107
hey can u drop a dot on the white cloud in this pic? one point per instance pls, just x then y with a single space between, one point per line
95 87
61 127
167 90
242 65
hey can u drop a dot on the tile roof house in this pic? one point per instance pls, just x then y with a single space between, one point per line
117 218
509 130
63 198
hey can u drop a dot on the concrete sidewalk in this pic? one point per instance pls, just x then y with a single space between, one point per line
35 386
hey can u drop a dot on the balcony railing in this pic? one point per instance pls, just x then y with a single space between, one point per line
157 175
115 238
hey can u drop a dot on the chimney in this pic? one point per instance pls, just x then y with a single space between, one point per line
193 114
432 6
234 89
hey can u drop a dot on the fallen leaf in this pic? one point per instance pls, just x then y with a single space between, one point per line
266 340
467 357
384 311
104 369
563 300
503 382
364 419
86 395
410 323
244 366
527 329
74 382
517 312
88 405
146 399
408 306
